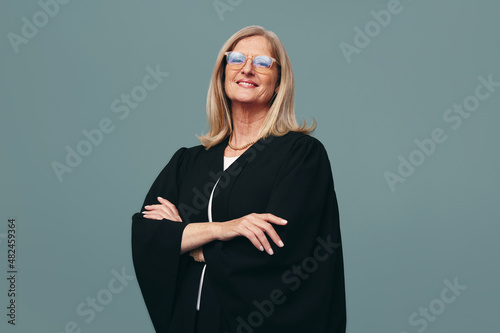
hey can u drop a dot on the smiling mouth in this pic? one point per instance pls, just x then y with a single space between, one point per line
246 84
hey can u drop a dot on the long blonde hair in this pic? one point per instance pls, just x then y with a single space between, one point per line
280 118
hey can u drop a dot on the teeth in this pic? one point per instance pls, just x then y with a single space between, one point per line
246 84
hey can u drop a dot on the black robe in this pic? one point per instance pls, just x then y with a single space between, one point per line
298 289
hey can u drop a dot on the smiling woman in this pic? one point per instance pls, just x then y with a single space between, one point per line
244 88
261 250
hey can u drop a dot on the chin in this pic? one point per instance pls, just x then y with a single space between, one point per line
243 98
248 101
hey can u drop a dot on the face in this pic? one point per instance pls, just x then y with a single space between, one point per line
245 85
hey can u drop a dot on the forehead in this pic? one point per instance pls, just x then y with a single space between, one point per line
254 45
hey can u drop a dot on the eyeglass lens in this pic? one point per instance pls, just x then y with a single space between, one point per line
237 58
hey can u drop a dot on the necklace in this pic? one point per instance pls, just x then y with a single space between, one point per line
240 148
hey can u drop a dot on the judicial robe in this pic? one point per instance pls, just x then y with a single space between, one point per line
298 289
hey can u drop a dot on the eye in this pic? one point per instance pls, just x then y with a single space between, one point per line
236 58
262 61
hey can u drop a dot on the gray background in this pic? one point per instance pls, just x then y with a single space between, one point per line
400 245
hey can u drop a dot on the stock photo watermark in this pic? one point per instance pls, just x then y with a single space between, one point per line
372 29
89 309
454 117
12 271
94 137
31 26
292 278
425 315
223 6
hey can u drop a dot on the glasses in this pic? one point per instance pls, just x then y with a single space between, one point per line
261 64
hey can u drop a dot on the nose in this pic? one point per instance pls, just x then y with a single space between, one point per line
248 66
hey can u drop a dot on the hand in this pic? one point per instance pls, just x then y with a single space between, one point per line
254 227
200 254
164 210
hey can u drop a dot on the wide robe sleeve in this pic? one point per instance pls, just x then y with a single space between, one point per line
156 246
301 287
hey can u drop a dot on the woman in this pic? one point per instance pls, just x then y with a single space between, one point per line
272 260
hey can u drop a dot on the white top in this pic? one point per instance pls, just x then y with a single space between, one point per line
227 162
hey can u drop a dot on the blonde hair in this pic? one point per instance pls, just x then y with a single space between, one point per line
280 118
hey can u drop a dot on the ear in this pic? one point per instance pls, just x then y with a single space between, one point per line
276 89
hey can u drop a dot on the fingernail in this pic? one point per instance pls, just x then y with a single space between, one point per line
284 221
261 248
270 251
281 244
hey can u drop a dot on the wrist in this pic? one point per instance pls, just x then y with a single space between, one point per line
216 230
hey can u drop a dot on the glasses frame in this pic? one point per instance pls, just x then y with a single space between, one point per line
258 69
